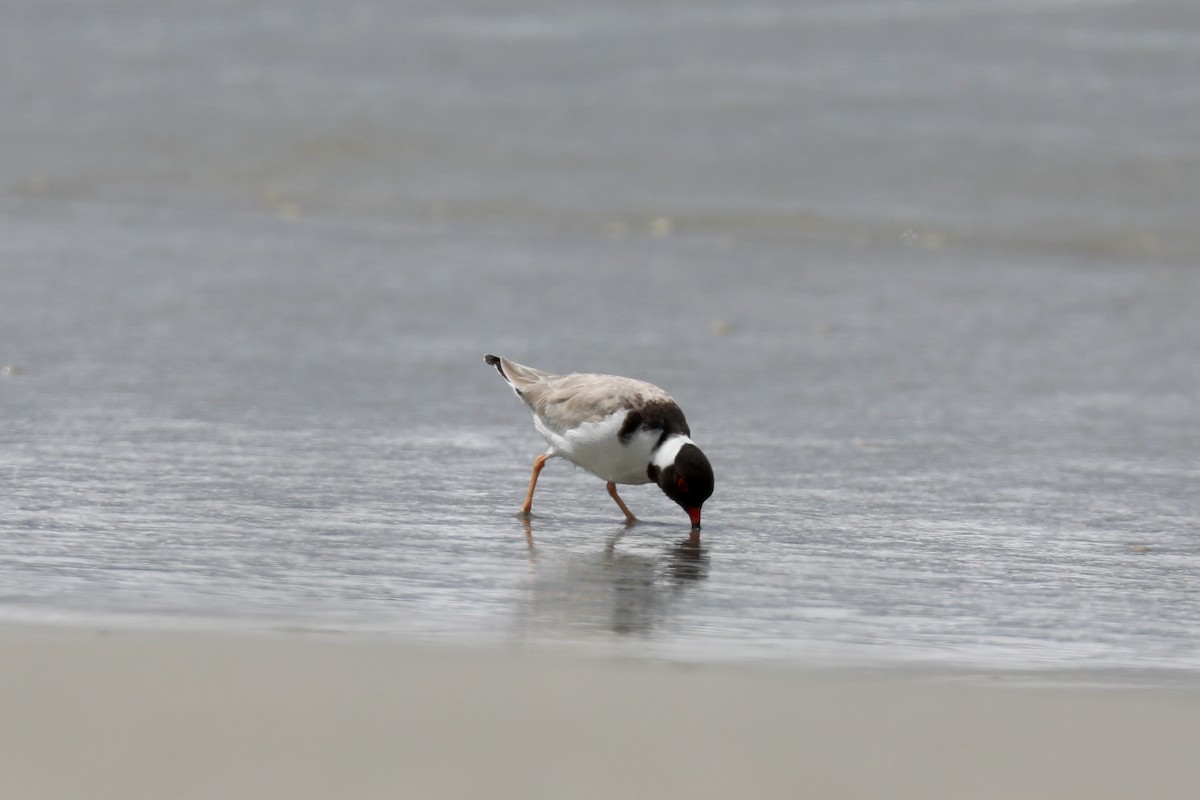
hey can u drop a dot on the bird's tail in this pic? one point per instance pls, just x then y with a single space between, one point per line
498 364
516 375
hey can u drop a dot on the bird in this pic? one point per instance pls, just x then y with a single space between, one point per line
622 430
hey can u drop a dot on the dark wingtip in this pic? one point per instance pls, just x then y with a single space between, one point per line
495 362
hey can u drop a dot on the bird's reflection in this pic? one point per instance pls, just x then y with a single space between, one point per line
619 587
689 560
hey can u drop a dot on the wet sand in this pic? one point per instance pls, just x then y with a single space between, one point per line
151 715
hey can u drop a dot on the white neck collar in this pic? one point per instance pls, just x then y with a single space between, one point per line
665 455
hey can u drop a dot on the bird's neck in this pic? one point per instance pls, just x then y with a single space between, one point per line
664 455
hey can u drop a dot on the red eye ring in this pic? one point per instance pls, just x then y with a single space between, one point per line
682 485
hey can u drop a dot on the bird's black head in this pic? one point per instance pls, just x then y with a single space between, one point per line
688 480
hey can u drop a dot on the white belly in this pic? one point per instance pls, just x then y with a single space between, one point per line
596 447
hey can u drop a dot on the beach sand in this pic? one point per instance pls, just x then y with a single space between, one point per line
207 715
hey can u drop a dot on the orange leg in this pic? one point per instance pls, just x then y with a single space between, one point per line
538 463
612 492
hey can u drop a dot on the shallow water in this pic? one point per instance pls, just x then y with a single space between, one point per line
924 280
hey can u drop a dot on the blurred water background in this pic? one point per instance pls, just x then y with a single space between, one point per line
925 276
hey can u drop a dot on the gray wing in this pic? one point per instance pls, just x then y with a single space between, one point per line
564 402
571 400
